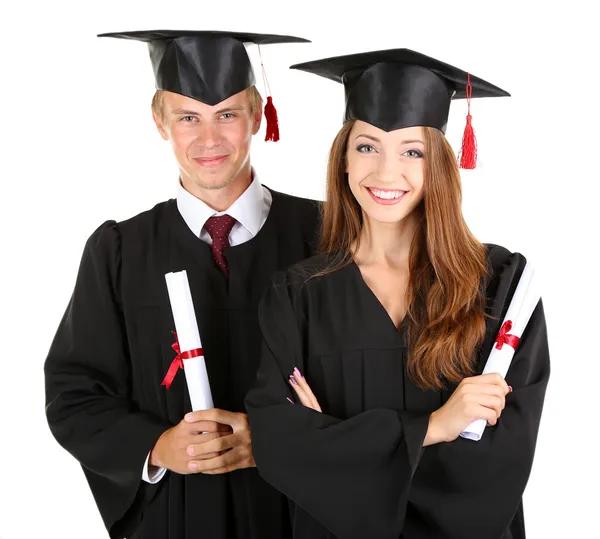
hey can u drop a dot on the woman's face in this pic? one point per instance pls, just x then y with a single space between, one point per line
386 170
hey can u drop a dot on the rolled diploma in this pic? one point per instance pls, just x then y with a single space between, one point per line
189 339
522 305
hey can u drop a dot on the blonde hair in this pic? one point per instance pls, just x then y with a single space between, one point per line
254 98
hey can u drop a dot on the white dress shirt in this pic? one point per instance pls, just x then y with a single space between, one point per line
250 211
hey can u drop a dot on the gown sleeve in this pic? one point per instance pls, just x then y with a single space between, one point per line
484 481
352 475
88 389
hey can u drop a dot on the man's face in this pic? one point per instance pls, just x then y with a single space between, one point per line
211 143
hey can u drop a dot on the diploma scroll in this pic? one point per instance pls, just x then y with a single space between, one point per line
188 337
522 305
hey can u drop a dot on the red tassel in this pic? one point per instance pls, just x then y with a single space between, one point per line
468 152
272 121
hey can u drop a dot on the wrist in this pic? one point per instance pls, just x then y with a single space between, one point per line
155 455
434 433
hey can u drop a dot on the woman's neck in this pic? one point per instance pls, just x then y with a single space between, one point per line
386 244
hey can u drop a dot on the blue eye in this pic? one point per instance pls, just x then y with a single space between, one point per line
413 153
365 148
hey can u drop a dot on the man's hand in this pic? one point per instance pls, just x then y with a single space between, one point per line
229 452
206 441
172 448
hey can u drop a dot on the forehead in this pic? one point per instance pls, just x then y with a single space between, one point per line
173 101
397 135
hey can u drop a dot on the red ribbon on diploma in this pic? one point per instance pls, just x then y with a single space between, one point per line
505 338
177 363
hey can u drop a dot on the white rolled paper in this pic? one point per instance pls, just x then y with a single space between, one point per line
188 336
522 305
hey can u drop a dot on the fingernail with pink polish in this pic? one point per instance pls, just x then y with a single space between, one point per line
293 380
510 389
298 373
193 466
290 400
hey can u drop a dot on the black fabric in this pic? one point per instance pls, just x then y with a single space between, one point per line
208 66
397 88
105 402
358 469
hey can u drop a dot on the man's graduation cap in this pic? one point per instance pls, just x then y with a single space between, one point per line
208 66
397 88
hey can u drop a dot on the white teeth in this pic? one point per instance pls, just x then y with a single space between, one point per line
386 194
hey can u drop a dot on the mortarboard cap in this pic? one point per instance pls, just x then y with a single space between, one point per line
397 88
209 66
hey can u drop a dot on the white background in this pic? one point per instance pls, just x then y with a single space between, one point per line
78 147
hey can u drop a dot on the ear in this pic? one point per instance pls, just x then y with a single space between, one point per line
257 120
160 125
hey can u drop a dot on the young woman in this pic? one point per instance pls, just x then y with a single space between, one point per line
373 350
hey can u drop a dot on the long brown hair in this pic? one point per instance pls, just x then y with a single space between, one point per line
446 299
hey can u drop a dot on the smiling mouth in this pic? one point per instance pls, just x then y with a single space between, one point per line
210 161
386 196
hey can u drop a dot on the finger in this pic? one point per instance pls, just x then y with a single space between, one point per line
227 469
491 402
199 427
213 414
217 445
199 446
489 389
236 464
303 386
492 378
228 460
302 396
306 388
486 414
206 456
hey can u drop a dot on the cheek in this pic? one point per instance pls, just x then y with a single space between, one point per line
237 134
182 139
419 180
358 170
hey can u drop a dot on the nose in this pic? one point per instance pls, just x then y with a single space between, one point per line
391 170
209 135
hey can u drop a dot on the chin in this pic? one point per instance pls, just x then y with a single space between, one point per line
386 215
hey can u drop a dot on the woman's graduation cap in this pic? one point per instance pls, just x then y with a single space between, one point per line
397 88
208 66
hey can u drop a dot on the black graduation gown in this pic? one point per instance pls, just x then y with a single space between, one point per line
105 402
358 470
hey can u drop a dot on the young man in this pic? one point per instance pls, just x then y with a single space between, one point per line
156 469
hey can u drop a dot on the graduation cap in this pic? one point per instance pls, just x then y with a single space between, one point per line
208 66
397 88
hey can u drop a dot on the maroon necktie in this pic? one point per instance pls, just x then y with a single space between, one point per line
219 228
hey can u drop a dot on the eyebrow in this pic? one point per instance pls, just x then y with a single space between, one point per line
229 109
412 141
196 113
185 111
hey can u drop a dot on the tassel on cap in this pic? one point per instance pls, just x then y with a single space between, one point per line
272 121
270 110
468 152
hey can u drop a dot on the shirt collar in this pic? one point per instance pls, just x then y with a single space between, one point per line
246 210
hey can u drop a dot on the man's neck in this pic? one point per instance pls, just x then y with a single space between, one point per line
221 199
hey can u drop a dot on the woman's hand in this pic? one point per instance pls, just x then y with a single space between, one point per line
477 397
302 389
